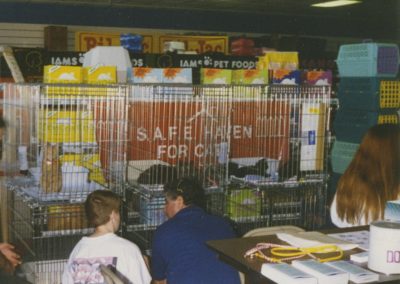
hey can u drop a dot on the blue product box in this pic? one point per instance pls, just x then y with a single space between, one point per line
132 42
286 77
319 78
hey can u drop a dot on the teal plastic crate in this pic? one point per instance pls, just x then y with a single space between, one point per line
332 186
371 94
368 60
342 155
351 125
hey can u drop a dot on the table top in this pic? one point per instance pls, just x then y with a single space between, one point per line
232 252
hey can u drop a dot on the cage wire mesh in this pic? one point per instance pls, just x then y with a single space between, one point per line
278 176
263 158
260 152
175 132
62 142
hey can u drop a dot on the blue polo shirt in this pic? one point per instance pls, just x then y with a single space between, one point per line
180 253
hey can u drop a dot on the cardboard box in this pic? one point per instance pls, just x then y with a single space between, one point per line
279 60
55 74
66 126
177 75
89 161
100 75
215 76
250 77
243 47
286 77
147 75
319 78
313 121
110 56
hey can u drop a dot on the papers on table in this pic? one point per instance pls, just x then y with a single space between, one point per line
361 257
361 238
311 239
283 273
357 274
324 273
311 271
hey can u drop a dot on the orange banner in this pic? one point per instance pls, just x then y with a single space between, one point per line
266 128
84 41
191 131
173 131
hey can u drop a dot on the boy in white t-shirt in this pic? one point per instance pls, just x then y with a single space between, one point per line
104 247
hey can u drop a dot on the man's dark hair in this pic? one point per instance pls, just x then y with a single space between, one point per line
189 188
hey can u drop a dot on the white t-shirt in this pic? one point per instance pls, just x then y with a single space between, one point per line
109 249
343 223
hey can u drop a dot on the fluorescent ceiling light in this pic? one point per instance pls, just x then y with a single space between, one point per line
335 3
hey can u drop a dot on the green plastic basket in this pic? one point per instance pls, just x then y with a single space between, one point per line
351 125
342 155
370 94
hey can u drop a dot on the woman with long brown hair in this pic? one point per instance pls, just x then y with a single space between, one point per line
372 178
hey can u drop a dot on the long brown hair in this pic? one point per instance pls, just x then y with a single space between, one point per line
373 176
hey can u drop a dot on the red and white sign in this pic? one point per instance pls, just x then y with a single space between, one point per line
265 125
202 131
177 130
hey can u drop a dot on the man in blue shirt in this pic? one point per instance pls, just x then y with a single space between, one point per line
180 254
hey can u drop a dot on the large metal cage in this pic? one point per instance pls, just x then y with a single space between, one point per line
261 153
62 142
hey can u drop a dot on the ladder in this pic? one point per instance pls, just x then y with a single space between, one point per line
8 54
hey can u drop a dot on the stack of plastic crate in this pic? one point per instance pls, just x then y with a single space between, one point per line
368 95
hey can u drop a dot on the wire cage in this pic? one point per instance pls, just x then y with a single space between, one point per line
44 272
299 204
259 151
69 140
44 230
279 176
175 131
62 142
262 143
145 211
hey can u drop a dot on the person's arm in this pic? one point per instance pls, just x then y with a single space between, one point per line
8 251
147 261
159 281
